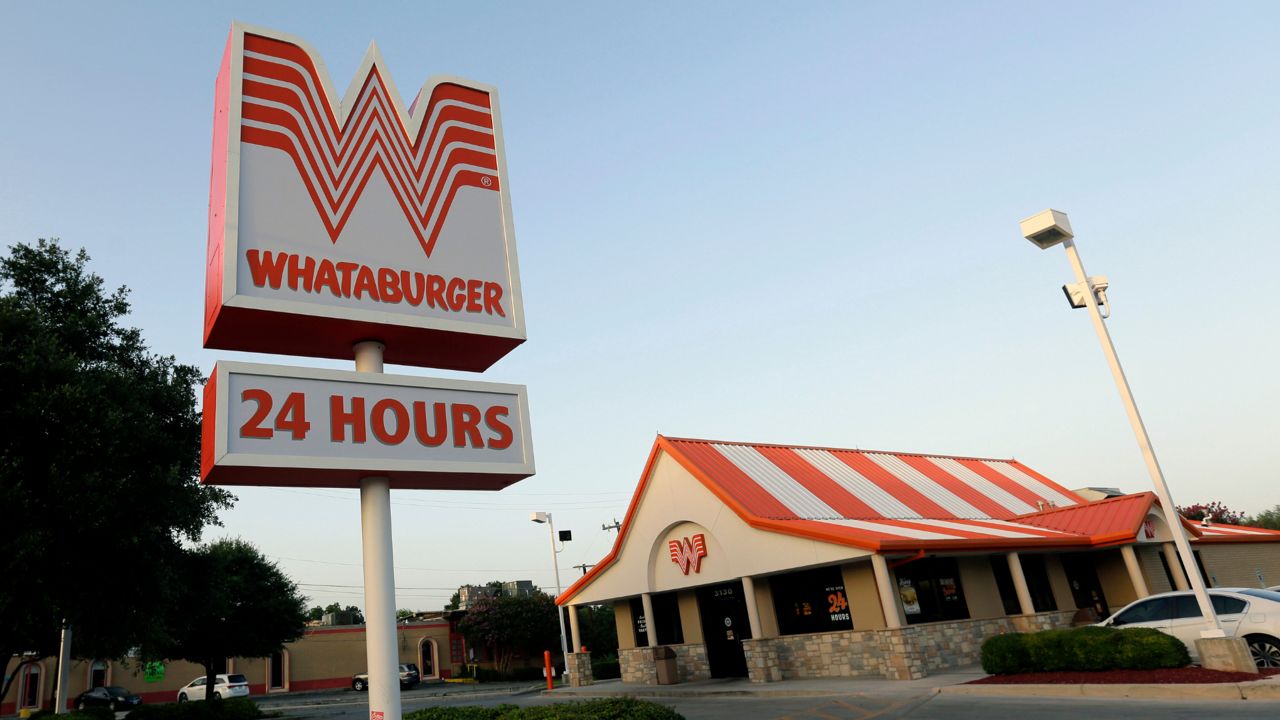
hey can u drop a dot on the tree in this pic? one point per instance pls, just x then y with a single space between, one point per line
507 625
235 603
100 453
599 629
1269 519
404 614
1215 511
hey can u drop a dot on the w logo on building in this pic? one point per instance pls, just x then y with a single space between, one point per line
688 553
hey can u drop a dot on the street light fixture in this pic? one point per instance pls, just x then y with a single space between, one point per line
1050 228
545 517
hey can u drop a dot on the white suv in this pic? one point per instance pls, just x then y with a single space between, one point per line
1242 612
227 686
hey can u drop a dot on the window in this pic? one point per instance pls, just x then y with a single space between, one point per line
930 591
666 609
1153 610
1224 605
810 601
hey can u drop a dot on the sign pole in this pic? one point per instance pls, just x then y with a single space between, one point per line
379 575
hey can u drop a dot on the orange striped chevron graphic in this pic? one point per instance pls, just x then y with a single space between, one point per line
444 142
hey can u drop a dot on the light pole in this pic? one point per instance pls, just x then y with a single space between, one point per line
545 517
1050 228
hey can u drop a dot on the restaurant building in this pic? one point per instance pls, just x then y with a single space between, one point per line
775 562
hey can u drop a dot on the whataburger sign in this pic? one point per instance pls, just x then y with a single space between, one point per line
331 222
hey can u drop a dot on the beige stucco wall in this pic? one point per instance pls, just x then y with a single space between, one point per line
1237 564
863 596
690 623
1114 577
623 622
764 606
1059 583
676 505
980 591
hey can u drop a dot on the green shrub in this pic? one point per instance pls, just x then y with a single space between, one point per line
465 712
604 709
1005 655
1050 651
1082 649
1147 648
606 667
231 709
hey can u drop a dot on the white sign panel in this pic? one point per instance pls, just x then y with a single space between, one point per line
270 425
333 221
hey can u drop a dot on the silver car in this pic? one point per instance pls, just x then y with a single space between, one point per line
1243 612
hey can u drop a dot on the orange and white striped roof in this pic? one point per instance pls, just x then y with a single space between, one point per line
886 500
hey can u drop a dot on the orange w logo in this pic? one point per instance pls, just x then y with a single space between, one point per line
688 553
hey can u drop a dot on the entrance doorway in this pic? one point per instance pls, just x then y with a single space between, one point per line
1082 576
723 612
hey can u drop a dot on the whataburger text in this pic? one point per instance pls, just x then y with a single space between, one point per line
302 273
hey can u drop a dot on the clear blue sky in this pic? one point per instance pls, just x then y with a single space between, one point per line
783 222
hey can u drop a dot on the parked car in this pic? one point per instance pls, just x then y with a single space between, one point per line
113 697
409 676
1243 612
227 686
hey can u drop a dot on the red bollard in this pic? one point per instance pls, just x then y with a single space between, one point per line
551 681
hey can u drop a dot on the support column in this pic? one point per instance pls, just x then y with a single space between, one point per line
651 630
888 593
64 672
753 612
573 629
1020 585
1135 571
381 653
1175 567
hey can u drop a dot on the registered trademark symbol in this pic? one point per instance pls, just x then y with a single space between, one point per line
486 181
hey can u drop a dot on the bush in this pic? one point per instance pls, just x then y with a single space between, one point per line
605 709
1144 648
230 709
1006 655
1082 649
606 669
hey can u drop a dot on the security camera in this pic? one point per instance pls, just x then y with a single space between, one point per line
1075 291
1047 228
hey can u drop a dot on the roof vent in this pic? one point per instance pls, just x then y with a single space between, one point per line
1206 522
1040 505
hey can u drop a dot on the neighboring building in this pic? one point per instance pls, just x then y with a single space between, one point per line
468 594
776 562
325 657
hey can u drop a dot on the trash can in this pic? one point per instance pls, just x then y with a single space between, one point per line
665 660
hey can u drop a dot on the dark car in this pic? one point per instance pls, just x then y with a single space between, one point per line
409 676
114 697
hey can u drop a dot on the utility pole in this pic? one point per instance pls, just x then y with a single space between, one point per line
615 526
584 567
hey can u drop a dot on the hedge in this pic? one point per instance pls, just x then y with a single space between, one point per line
1085 648
241 708
624 708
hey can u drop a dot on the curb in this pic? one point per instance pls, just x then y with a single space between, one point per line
1257 690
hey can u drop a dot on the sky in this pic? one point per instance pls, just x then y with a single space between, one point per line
747 221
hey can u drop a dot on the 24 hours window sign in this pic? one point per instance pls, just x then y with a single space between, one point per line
305 427
333 221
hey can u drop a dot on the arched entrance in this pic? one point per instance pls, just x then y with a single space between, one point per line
428 659
31 688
